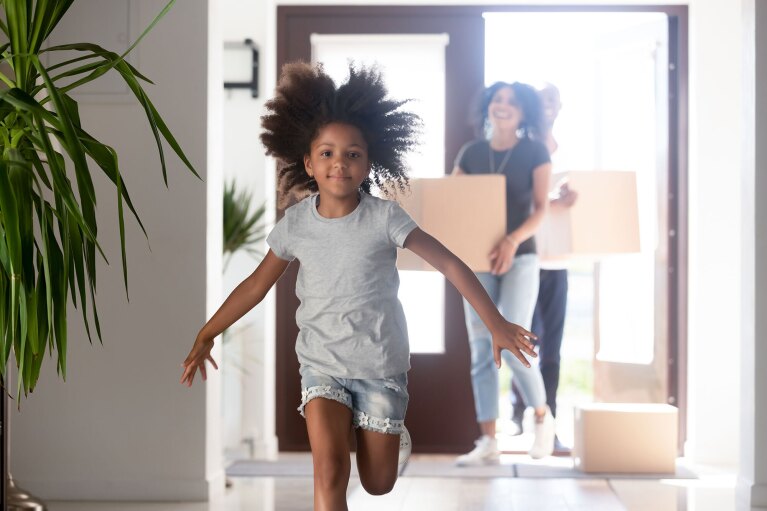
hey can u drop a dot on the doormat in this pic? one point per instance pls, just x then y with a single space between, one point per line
300 465
279 468
525 470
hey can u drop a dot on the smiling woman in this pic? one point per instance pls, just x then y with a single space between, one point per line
509 122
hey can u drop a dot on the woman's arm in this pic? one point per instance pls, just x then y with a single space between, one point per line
505 335
503 254
245 296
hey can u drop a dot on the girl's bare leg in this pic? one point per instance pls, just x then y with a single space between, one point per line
377 456
328 423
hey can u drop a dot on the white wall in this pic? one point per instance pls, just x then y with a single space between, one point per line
249 375
122 427
714 286
752 481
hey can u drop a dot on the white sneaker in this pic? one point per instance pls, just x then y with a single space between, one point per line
405 446
543 445
485 453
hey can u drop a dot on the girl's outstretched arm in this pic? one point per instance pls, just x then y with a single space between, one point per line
245 296
505 335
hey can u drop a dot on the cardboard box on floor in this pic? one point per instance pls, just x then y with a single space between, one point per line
625 438
604 219
467 214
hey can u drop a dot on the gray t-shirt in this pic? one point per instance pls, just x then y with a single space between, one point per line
351 323
525 157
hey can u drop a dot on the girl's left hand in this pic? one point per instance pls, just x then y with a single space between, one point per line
502 256
512 337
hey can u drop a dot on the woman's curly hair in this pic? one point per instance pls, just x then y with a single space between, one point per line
529 102
307 99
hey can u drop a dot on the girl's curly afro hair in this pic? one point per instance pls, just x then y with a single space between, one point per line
307 99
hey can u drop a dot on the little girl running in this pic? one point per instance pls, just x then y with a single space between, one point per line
334 144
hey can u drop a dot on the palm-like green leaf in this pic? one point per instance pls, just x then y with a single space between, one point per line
48 232
243 230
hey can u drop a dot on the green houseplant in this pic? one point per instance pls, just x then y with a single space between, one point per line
243 229
48 232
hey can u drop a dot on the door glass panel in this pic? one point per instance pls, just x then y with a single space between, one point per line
611 76
413 67
634 68
611 72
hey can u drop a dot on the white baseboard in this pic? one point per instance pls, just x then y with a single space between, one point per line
266 448
750 496
159 490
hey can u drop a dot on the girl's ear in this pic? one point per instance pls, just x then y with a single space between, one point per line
308 165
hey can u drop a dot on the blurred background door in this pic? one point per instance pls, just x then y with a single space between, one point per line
623 109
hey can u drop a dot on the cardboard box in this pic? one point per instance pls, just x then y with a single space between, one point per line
625 438
604 219
467 214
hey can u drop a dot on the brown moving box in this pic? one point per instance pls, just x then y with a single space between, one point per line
467 214
625 438
604 219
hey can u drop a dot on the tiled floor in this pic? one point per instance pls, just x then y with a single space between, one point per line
710 492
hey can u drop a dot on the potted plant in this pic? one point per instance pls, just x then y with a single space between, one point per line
243 230
48 233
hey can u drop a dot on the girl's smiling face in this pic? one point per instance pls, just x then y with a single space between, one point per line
504 112
338 160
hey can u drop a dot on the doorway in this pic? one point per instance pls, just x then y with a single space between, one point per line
439 382
612 79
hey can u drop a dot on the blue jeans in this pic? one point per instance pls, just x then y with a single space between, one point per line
514 293
549 326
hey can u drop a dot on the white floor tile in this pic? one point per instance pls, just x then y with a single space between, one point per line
711 492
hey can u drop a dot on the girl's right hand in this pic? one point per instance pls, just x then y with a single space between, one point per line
196 360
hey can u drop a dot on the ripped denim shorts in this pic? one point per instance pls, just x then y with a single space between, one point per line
377 404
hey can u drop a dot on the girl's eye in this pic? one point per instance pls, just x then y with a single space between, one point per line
325 154
354 155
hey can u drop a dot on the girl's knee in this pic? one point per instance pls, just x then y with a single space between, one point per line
332 472
379 484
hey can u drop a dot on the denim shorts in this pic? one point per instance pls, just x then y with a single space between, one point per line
377 404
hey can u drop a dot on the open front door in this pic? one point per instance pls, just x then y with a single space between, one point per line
631 291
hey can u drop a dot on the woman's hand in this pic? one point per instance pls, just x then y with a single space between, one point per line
512 337
502 256
196 360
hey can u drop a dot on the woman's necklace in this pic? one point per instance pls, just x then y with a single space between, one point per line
505 160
